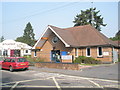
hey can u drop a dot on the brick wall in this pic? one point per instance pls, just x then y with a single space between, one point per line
58 66
104 58
48 46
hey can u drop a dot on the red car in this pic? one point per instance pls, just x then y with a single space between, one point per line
13 63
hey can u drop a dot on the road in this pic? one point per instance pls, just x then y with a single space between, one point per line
37 79
105 71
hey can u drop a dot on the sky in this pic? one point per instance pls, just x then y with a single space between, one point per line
15 15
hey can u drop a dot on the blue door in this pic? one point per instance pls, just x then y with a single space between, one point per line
55 55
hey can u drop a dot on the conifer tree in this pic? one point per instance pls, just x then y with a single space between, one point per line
2 39
89 16
28 35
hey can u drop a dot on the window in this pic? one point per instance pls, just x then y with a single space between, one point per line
76 52
88 52
35 53
5 53
7 60
100 52
26 51
55 40
21 60
12 60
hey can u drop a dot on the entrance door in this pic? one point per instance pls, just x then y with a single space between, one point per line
11 53
17 53
55 55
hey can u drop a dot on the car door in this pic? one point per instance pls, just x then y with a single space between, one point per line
5 63
13 63
8 63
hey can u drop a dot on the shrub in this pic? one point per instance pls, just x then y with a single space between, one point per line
86 60
27 56
119 59
34 60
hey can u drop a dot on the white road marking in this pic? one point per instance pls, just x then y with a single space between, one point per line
63 77
60 75
14 85
56 84
114 81
32 86
115 86
53 86
95 83
27 80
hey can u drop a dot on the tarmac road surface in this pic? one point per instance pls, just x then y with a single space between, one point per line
39 79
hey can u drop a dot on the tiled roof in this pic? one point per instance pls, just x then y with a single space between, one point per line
82 36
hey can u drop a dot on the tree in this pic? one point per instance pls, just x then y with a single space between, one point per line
118 33
2 39
20 39
28 36
117 36
90 16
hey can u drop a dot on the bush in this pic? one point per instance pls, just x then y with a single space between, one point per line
86 60
34 60
27 56
119 59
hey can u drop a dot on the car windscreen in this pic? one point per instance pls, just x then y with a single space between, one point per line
21 60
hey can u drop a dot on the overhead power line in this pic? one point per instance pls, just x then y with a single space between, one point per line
41 13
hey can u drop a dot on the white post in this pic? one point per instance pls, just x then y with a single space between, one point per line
22 52
8 52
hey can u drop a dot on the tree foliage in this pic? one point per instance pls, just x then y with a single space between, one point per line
118 33
28 36
2 39
117 36
86 60
90 16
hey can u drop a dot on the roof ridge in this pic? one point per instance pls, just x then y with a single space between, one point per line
77 26
55 27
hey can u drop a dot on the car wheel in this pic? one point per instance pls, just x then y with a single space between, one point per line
11 69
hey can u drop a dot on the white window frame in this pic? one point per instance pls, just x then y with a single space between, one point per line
76 52
98 52
87 52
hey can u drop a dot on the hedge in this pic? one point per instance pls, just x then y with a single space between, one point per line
34 60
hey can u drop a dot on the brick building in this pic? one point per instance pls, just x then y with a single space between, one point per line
65 44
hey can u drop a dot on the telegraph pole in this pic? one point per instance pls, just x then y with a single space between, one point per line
92 14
